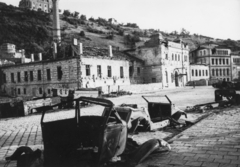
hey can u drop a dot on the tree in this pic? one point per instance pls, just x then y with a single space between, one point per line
66 13
76 14
83 17
82 34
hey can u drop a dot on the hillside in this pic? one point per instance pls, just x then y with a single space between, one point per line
31 30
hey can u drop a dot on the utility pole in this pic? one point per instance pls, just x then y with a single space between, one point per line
79 62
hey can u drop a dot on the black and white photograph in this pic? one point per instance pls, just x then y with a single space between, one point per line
119 83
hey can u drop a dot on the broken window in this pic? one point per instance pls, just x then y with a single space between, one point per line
40 91
59 72
19 76
39 75
12 77
25 76
48 74
138 71
99 71
109 71
153 80
121 72
88 72
131 71
31 75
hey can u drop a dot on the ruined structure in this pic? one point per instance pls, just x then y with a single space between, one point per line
99 67
42 5
165 62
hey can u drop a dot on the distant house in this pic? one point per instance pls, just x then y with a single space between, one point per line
113 21
42 5
235 61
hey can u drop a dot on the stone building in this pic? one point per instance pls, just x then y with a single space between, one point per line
98 68
165 62
199 72
235 65
217 58
43 5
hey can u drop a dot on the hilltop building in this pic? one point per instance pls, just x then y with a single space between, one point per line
165 62
217 58
42 5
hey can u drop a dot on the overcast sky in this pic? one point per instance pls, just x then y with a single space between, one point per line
214 18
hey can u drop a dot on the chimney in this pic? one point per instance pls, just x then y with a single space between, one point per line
110 51
56 22
40 56
32 57
54 46
23 56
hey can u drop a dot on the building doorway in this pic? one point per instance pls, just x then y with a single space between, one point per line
176 79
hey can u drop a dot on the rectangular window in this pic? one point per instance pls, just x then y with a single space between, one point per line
39 75
226 61
59 72
19 91
212 61
25 76
206 72
12 77
138 71
121 72
48 74
99 71
109 71
19 76
24 91
49 91
216 61
40 91
131 71
31 75
4 78
166 56
154 80
88 72
223 61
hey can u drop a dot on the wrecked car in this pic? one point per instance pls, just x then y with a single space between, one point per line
97 139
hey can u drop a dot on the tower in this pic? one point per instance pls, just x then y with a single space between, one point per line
56 23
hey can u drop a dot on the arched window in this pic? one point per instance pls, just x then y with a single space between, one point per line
172 56
196 73
216 61
216 72
220 61
178 57
175 57
204 52
213 72
202 72
192 72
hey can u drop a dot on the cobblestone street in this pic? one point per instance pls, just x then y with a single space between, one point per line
213 141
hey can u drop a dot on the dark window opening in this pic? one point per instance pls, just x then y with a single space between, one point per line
192 72
59 72
24 91
25 76
199 72
49 91
212 61
138 71
19 76
48 74
88 73
196 73
4 78
206 72
121 72
19 91
109 71
226 61
213 72
39 75
99 71
154 80
40 91
31 75
216 72
12 77
131 71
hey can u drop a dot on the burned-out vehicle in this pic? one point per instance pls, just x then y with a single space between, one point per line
96 139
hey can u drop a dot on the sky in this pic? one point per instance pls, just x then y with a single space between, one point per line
213 18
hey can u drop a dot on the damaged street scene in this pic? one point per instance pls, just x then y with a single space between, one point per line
84 91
